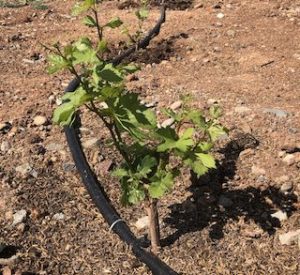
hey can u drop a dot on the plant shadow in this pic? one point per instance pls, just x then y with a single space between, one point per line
213 203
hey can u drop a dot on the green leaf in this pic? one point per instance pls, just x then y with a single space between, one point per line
185 141
82 7
56 63
114 23
63 115
204 146
216 131
102 46
142 14
131 68
197 118
77 98
215 111
145 166
159 187
110 74
196 165
89 21
132 192
207 160
120 173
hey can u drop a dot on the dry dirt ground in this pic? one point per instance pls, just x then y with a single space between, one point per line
245 55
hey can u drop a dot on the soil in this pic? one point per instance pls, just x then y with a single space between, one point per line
247 61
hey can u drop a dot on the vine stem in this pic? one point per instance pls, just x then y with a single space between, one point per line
115 134
99 28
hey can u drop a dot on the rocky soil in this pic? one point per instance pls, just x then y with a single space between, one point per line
242 218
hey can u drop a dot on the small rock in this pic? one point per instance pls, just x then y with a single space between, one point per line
220 15
5 127
289 238
211 101
105 166
69 167
142 223
280 215
51 99
253 233
289 159
281 154
90 143
19 217
225 202
59 216
176 105
54 147
5 146
286 187
230 33
167 122
199 6
277 112
241 109
282 179
58 101
39 120
257 170
6 271
24 169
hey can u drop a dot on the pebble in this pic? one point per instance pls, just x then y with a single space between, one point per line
212 101
24 169
286 187
225 202
90 143
257 170
167 122
241 109
176 105
51 99
69 167
289 159
5 146
142 223
54 147
5 127
220 15
230 33
280 215
277 112
39 120
59 216
290 237
19 217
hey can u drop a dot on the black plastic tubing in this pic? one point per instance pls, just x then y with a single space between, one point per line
93 186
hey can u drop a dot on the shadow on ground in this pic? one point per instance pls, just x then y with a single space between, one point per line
212 203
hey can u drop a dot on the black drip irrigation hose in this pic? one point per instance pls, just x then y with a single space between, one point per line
93 186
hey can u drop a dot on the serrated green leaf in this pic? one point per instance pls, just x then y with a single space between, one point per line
142 14
89 21
215 111
110 74
159 187
145 166
77 98
204 146
132 192
196 165
207 160
216 131
63 114
131 68
114 23
197 118
102 46
56 63
82 7
120 173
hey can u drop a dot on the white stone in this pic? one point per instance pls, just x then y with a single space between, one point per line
90 143
286 187
241 109
290 237
280 215
167 122
176 105
39 120
142 223
289 159
5 146
212 101
257 170
220 15
59 216
19 217
23 169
